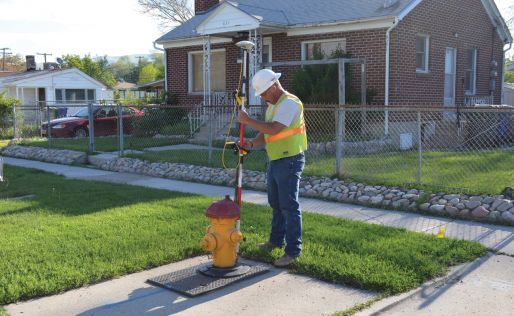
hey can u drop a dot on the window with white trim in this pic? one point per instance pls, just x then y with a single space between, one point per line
63 96
218 71
267 51
422 45
322 48
471 71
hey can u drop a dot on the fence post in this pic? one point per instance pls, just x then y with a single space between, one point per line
91 146
420 148
120 129
339 139
210 118
48 127
14 121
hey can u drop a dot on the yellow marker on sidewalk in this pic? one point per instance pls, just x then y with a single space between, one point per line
441 232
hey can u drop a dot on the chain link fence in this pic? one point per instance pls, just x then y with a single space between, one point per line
465 149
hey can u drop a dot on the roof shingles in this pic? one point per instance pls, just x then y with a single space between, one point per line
292 13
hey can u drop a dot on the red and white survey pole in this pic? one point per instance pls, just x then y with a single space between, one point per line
246 46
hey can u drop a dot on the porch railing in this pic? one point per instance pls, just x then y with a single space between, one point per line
480 100
219 112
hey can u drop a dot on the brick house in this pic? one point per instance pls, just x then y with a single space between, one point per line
417 51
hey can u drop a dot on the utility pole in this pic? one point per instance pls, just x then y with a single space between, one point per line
139 66
44 54
4 53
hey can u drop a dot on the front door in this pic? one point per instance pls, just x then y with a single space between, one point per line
449 79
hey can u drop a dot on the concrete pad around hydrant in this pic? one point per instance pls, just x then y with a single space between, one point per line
277 292
482 287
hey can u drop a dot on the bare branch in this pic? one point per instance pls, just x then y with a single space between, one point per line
168 12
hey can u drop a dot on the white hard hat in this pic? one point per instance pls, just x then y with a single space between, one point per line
263 80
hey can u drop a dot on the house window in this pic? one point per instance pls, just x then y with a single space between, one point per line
422 42
74 95
323 49
266 51
470 72
218 71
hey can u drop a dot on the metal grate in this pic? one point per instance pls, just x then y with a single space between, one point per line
191 283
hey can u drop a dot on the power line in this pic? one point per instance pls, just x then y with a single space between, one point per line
4 53
44 54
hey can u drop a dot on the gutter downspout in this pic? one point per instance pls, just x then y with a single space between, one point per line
503 74
386 94
165 61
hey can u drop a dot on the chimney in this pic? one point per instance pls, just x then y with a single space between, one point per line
30 61
204 5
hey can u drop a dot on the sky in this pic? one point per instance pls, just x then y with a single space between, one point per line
95 27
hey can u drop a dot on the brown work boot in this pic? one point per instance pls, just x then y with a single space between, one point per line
283 261
267 246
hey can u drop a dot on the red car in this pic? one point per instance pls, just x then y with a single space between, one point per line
105 119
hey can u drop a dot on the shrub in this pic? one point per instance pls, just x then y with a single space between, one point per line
158 120
6 109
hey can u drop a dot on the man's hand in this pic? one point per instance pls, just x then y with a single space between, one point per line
243 117
248 144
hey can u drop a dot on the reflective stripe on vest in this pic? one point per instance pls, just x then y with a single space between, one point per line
284 134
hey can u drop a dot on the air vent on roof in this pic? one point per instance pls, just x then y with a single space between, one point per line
50 66
389 3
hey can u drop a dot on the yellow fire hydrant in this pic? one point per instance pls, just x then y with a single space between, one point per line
222 238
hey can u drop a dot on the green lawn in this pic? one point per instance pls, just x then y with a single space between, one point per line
4 143
485 172
102 143
74 233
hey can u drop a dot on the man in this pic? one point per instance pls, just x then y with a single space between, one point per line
283 134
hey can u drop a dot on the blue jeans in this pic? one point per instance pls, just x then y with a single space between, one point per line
283 183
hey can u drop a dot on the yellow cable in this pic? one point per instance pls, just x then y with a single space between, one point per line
238 100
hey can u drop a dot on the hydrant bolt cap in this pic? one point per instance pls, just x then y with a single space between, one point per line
225 208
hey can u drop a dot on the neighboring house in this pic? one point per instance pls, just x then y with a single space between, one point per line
126 89
6 73
510 67
153 88
53 86
417 51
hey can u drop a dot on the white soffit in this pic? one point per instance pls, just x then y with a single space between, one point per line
197 41
342 27
227 18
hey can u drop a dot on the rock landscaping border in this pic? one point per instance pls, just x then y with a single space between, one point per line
65 157
494 209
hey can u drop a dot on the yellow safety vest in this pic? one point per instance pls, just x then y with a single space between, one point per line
292 140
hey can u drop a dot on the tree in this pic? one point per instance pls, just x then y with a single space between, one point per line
98 69
158 62
147 74
509 75
169 12
6 108
125 70
15 63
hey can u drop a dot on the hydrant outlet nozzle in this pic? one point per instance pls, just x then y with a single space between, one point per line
236 237
209 243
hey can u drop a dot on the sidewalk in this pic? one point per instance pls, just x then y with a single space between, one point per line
478 286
